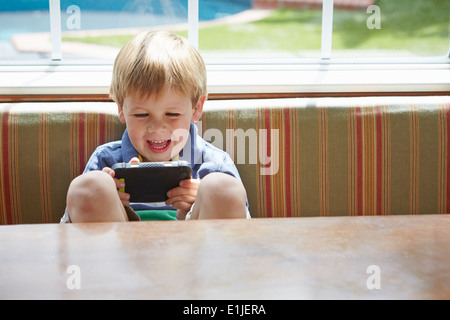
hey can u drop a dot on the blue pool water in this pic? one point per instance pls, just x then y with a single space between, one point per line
24 16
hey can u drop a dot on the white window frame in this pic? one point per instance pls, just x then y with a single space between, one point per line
326 75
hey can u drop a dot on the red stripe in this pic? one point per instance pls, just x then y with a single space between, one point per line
287 161
359 166
267 177
379 172
448 157
81 142
5 169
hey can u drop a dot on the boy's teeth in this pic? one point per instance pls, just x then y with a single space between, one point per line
158 144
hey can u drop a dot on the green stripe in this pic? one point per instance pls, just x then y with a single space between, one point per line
400 159
338 165
428 159
59 150
29 179
308 142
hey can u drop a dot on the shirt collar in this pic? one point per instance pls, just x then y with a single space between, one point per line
128 151
192 150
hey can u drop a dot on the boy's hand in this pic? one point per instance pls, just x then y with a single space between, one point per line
124 197
183 197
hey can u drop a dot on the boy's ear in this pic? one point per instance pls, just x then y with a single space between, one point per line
198 109
121 116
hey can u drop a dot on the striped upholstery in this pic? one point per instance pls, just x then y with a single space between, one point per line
342 156
296 157
44 146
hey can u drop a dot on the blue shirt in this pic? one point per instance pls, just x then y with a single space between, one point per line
203 157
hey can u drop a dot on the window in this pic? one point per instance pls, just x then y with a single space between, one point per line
250 46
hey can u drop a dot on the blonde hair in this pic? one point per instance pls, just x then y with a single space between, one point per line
153 62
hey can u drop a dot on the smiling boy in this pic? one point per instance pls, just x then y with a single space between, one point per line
159 85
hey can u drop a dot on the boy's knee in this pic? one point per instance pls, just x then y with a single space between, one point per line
223 185
223 191
86 190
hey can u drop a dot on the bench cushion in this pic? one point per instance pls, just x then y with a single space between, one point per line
340 156
296 157
44 146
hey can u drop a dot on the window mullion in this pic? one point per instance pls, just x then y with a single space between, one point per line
193 22
55 28
327 28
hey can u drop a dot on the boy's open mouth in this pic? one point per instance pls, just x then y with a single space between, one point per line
158 146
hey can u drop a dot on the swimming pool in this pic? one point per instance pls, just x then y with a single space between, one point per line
24 16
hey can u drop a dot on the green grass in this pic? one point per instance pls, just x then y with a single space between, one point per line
420 27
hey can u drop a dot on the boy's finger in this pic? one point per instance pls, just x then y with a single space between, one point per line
119 183
183 205
188 199
109 171
134 160
179 191
190 183
124 198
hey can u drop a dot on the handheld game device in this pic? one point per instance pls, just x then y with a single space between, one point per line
150 181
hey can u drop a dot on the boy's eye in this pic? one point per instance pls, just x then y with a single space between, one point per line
141 115
172 114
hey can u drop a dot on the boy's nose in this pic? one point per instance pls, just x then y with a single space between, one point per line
155 125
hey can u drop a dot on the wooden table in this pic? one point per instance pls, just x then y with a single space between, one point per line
392 257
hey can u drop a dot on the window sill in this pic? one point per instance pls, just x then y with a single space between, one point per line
91 82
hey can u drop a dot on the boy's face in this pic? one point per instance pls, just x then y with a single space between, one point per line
155 126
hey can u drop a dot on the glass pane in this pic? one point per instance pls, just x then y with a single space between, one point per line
23 25
98 29
365 28
393 28
93 30
261 29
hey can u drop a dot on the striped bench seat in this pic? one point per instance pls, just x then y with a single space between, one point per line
297 157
